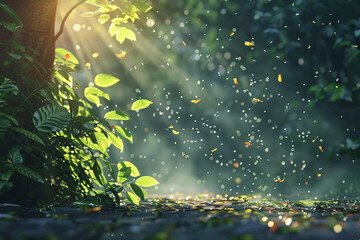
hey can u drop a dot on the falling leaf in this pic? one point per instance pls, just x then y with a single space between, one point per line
185 155
184 43
232 34
279 78
315 139
171 127
77 86
356 46
77 68
121 55
257 100
247 143
279 180
175 132
213 150
87 64
196 101
236 81
307 183
313 22
260 187
95 54
92 209
319 175
67 57
236 165
249 44
309 47
321 149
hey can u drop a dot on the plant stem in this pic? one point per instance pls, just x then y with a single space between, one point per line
66 17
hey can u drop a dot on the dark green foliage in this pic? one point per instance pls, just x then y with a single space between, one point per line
62 152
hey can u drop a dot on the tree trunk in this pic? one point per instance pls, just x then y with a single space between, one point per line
38 18
37 36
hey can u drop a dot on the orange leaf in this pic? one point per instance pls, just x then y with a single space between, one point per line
321 149
314 139
67 57
279 180
232 34
247 143
184 43
92 209
185 155
236 165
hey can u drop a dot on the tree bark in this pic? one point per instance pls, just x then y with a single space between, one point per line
38 18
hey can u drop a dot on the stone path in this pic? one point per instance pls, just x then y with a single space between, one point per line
187 219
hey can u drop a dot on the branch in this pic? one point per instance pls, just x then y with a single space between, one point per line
66 17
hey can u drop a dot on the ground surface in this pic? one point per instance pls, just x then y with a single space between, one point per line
192 218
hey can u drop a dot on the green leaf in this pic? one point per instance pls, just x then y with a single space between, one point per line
123 174
92 94
99 3
10 118
146 181
104 18
134 171
140 104
102 141
11 26
117 115
27 172
116 141
113 29
105 80
138 191
51 118
117 21
6 170
125 133
28 134
6 185
132 198
124 33
15 156
141 5
98 172
61 52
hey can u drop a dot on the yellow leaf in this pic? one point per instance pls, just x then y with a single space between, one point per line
184 43
121 55
87 64
314 139
171 127
279 78
249 44
321 149
175 132
236 81
257 100
196 101
279 180
213 150
95 54
232 34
